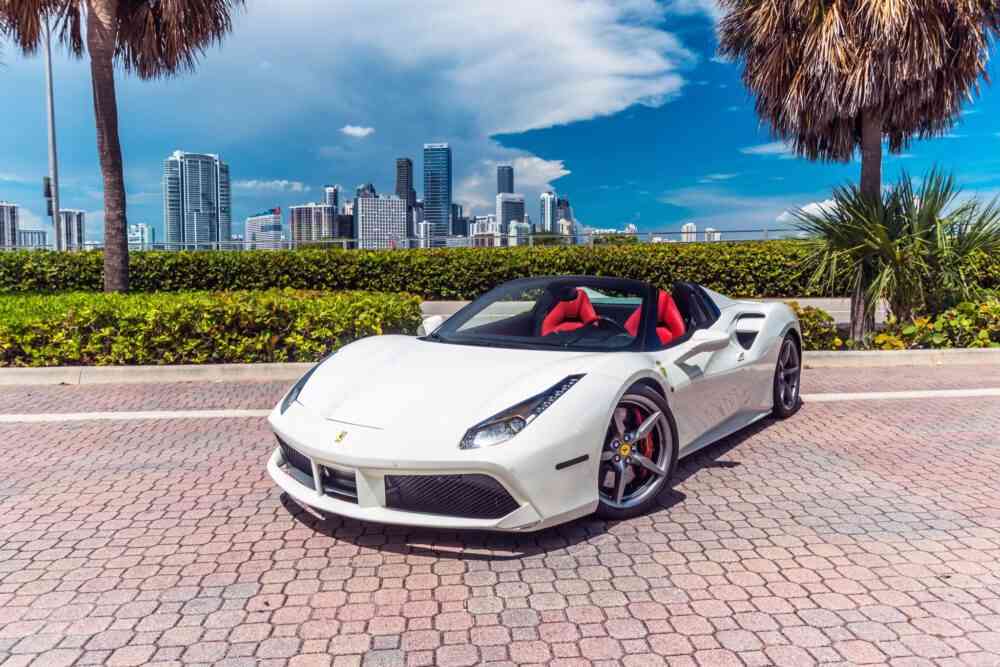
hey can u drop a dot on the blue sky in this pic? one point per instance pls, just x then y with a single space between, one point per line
617 104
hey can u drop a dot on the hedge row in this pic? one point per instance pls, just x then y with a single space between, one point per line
194 327
749 269
965 325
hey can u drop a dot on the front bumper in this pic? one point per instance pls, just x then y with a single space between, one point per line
540 494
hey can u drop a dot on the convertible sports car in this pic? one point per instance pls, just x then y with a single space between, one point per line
544 400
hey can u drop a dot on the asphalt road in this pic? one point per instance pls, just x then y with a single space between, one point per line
858 532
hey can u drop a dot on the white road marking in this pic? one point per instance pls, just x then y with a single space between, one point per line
898 395
57 417
51 417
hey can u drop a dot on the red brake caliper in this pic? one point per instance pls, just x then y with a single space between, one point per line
646 446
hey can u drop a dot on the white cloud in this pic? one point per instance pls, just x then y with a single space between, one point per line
712 206
27 219
715 178
812 208
532 175
357 131
15 178
277 185
710 8
781 149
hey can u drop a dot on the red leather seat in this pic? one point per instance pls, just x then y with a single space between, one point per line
669 323
569 315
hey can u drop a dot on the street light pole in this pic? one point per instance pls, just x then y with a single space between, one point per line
60 239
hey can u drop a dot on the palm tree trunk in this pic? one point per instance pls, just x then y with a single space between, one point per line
101 40
862 313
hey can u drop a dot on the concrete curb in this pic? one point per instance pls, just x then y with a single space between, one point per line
149 374
77 375
896 358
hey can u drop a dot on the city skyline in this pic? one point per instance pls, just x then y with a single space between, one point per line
629 76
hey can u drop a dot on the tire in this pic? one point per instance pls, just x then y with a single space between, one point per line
787 379
642 484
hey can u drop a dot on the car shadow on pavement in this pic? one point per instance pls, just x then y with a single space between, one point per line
495 546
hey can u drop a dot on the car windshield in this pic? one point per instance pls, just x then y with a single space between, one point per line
551 313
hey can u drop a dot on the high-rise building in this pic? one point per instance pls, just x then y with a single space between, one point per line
484 231
460 226
689 232
366 190
712 234
345 226
437 191
423 239
28 239
8 225
547 218
567 229
331 196
197 200
381 222
404 181
518 233
141 236
311 223
563 209
510 208
70 230
262 231
505 179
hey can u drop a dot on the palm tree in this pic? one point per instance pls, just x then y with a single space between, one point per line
152 38
832 77
910 248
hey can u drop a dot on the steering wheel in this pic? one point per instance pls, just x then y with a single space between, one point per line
601 320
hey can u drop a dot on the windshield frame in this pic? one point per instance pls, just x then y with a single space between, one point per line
448 332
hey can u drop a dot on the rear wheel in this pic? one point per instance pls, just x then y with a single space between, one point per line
787 376
638 457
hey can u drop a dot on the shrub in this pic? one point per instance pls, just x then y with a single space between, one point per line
819 330
194 328
965 325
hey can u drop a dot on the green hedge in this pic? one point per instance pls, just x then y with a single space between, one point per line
965 325
194 327
754 269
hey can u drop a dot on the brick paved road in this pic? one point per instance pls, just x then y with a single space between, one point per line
857 532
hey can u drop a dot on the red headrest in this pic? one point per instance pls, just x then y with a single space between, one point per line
569 315
669 323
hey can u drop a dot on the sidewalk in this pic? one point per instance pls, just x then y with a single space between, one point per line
839 309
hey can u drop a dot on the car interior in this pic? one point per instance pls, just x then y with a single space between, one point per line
562 309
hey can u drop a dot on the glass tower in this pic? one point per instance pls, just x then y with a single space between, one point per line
437 191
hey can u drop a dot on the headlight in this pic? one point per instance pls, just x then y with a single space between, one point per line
503 426
293 393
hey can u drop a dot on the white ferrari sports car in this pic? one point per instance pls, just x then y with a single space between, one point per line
544 400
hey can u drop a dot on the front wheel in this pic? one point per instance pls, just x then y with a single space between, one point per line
638 457
787 379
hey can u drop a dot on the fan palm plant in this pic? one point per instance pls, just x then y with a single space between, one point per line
836 77
152 38
909 248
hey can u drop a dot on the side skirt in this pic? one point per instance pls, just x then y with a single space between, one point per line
727 428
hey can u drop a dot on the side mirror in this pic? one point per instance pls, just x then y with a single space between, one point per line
706 340
430 324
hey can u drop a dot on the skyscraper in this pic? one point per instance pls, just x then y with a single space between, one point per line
331 196
712 234
437 191
8 225
197 201
140 236
505 179
689 232
510 208
404 181
311 223
381 222
70 229
263 230
366 190
32 238
564 211
547 220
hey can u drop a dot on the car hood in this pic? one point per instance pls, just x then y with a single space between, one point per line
396 382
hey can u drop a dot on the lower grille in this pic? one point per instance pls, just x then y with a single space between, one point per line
464 496
296 459
339 484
